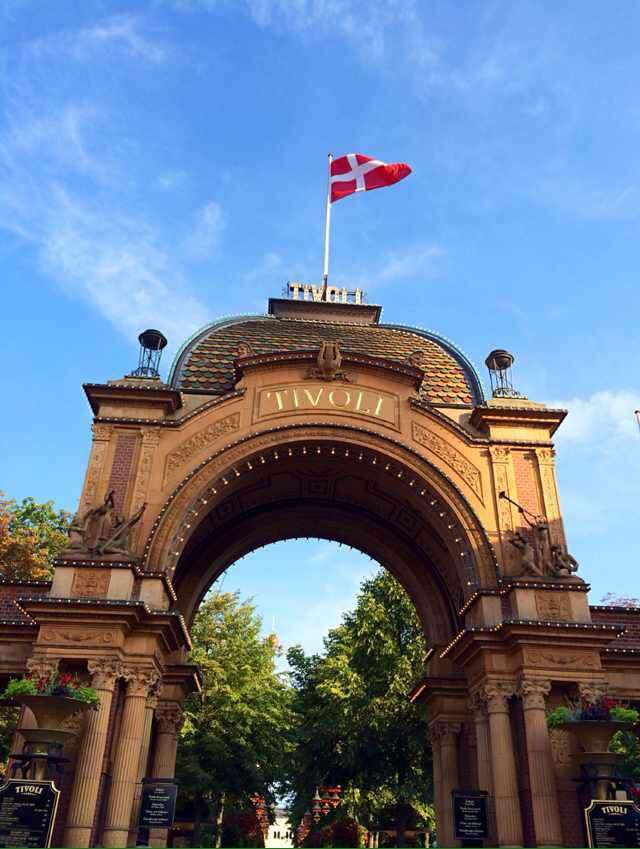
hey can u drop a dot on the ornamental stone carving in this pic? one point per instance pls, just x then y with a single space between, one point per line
100 531
202 439
552 605
328 363
477 705
453 458
141 681
169 716
591 691
104 671
533 693
444 728
42 667
90 583
497 694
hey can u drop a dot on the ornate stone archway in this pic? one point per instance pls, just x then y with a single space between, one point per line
268 429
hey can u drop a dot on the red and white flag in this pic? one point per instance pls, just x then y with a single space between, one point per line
357 173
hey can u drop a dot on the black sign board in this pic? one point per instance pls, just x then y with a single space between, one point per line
27 812
470 814
158 804
612 823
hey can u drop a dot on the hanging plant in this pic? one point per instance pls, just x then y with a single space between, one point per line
56 684
604 709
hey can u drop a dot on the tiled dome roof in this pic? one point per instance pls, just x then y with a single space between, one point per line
205 362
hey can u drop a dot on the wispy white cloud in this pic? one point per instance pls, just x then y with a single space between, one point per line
413 261
60 191
600 418
204 239
123 31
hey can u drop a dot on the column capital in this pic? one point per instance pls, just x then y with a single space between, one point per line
170 717
496 694
477 705
533 693
141 680
42 666
443 728
104 671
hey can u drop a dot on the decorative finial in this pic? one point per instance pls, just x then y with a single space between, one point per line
152 343
499 363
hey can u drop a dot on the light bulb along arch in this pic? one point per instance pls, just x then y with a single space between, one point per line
337 482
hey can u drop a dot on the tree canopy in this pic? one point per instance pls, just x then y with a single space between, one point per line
354 723
32 535
234 742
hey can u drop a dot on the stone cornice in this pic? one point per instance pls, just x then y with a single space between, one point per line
512 633
161 397
484 418
131 616
179 420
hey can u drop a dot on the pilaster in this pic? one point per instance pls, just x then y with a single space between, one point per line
447 734
169 718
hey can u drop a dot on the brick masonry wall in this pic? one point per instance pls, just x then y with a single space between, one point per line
627 617
120 476
9 592
525 468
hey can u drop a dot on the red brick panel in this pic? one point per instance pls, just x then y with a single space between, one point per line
121 468
629 618
525 468
10 591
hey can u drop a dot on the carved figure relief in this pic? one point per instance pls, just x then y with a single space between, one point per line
200 440
560 746
100 531
452 457
329 362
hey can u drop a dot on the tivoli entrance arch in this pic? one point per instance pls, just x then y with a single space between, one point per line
318 420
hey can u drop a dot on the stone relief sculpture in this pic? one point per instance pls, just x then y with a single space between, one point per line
329 361
100 531
538 555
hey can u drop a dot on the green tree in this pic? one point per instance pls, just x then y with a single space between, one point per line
355 725
32 535
234 741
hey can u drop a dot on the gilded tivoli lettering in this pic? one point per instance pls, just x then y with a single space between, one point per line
372 403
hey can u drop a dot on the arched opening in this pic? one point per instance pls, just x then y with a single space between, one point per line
335 484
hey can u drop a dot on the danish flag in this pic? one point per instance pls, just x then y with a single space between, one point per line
355 172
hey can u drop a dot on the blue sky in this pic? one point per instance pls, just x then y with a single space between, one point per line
163 163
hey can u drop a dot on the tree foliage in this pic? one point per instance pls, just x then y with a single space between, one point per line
32 535
234 741
354 723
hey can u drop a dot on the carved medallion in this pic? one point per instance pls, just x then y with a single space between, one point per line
90 583
553 605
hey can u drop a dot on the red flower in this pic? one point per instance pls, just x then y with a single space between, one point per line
66 679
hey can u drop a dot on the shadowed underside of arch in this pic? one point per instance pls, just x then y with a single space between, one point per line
335 483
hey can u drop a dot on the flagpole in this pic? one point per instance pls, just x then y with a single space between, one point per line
327 228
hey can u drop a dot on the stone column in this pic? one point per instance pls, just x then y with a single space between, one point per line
434 739
125 766
478 707
86 784
503 765
544 793
170 717
152 704
447 732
